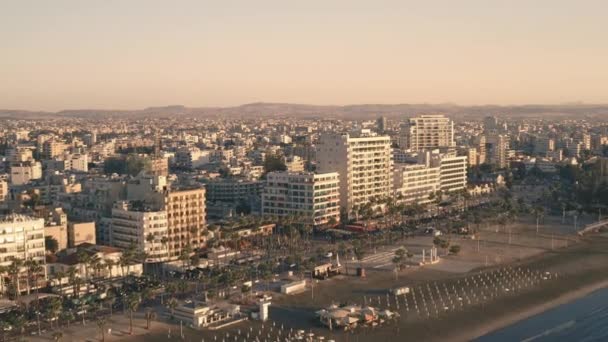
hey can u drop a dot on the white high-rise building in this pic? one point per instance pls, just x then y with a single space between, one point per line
312 198
22 237
364 162
452 172
147 229
428 132
452 169
497 146
414 183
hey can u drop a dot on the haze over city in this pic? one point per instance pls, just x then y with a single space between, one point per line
136 54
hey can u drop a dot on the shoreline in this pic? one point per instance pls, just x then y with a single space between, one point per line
521 315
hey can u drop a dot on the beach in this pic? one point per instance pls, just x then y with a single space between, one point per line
581 267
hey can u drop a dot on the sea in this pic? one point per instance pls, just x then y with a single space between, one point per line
584 320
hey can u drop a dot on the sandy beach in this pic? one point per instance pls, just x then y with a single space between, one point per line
582 268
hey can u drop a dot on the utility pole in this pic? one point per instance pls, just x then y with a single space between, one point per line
312 286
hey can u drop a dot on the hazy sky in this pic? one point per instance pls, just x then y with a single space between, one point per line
58 54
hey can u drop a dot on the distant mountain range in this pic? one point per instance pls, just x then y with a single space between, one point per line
362 111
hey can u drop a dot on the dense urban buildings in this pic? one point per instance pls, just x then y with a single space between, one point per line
175 197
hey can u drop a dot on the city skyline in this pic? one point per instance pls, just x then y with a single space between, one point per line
113 55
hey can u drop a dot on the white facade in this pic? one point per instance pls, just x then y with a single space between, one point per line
23 173
77 162
428 132
452 172
3 190
132 226
21 237
192 157
497 146
364 163
414 183
314 198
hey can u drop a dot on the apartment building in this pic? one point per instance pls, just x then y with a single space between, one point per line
3 190
22 237
53 148
452 172
232 189
186 219
414 183
24 172
497 146
364 162
428 132
313 198
294 164
192 157
134 222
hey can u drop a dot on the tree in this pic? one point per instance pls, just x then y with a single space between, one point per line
14 269
359 251
274 162
445 244
150 315
84 258
455 249
399 259
172 305
110 300
133 301
441 243
51 244
539 212
110 265
67 316
101 324
57 336
52 309
74 280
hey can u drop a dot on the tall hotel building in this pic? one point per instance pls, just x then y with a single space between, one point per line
21 237
312 198
428 132
364 162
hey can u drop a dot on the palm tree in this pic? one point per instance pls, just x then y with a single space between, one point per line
110 300
67 316
14 269
165 242
34 269
84 259
150 315
53 309
172 305
101 324
74 280
147 295
95 264
133 301
539 212
110 265
150 240
57 336
57 279
4 326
